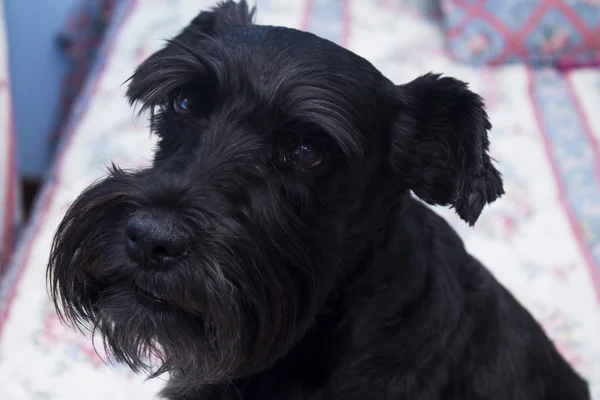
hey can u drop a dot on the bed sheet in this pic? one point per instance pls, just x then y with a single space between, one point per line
542 240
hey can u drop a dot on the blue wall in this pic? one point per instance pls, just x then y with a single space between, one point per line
36 68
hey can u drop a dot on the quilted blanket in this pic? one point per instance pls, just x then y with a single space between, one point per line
542 240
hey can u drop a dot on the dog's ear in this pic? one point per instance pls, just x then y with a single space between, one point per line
439 145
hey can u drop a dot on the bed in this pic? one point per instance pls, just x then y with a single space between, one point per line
542 240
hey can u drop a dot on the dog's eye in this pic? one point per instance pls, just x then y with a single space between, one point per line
305 156
181 104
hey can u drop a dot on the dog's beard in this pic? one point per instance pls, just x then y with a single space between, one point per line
238 301
205 348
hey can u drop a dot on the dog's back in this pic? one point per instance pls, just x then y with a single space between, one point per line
471 338
427 321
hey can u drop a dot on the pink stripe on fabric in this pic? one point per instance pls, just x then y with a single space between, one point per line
11 190
306 14
48 197
570 64
346 22
573 222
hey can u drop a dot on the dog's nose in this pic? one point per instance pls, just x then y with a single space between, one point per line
154 239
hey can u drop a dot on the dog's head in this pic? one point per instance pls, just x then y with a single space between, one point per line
280 157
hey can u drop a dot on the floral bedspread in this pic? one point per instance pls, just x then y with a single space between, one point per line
542 240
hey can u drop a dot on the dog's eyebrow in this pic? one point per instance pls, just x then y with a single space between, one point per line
168 70
331 113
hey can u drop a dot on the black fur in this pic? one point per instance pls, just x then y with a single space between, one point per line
299 282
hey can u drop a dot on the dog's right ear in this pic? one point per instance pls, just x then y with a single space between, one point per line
182 56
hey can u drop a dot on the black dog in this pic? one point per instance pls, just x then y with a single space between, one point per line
273 251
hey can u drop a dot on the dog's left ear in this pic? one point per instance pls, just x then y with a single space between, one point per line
439 145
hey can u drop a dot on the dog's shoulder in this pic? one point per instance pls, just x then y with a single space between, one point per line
427 320
440 325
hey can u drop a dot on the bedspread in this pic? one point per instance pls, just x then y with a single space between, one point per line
541 240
